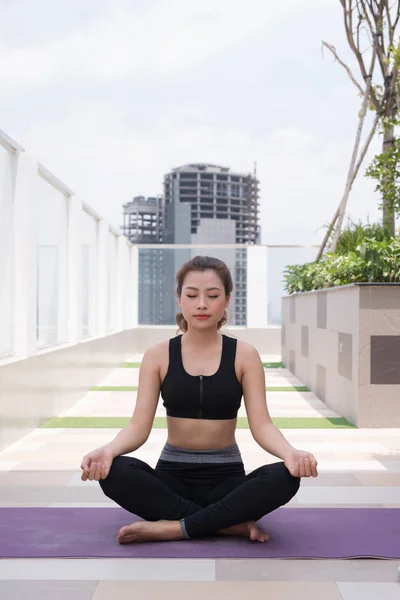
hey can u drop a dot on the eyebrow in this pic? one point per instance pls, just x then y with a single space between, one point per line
190 287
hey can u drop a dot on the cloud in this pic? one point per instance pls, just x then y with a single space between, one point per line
160 39
113 98
302 174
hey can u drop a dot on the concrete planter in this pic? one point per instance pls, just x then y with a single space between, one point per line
344 343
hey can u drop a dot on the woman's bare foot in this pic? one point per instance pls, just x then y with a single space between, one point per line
153 531
150 531
249 529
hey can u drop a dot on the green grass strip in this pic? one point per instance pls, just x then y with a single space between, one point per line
161 423
130 365
133 388
297 388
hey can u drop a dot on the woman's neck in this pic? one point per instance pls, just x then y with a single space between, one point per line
202 339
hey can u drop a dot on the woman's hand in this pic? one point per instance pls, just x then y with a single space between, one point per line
97 464
300 463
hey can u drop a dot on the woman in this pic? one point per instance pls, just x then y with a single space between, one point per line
199 486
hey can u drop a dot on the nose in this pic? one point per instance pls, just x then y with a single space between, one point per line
201 304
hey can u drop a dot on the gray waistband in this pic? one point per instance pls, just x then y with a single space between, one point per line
230 454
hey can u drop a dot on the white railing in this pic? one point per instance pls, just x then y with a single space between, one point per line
67 275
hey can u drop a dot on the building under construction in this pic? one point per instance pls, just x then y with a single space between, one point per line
201 204
143 220
210 204
215 193
143 224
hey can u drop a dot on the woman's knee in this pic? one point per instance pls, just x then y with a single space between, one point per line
283 480
121 469
113 475
291 483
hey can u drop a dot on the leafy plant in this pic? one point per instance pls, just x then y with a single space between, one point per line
385 169
355 234
372 260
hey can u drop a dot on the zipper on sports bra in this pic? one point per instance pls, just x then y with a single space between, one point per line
201 397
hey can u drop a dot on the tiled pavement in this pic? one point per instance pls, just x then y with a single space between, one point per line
357 468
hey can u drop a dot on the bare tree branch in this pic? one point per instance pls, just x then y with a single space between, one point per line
387 24
361 16
355 173
392 26
376 18
351 172
397 17
333 50
360 20
380 30
395 69
389 20
370 5
377 32
366 145
348 23
327 234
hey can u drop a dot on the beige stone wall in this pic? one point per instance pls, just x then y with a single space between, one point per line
344 343
379 356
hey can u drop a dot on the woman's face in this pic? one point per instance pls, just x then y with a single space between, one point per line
203 293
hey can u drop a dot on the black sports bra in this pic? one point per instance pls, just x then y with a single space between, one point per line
215 396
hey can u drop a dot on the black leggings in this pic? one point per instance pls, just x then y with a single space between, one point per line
204 497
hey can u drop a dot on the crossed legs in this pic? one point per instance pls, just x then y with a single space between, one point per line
166 503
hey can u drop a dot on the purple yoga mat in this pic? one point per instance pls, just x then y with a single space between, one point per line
294 533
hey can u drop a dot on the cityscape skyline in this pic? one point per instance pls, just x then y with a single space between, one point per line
201 203
98 119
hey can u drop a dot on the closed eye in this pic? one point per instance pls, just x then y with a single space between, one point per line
209 296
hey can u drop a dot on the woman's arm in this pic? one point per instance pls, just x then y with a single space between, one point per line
135 434
265 433
298 462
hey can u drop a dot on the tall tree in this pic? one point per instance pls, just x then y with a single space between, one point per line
354 163
376 21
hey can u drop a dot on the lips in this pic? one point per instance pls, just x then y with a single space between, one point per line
202 317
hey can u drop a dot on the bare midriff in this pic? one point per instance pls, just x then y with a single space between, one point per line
201 434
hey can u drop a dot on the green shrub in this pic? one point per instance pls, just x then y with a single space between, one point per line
370 261
355 234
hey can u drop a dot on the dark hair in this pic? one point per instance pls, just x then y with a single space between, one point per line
201 263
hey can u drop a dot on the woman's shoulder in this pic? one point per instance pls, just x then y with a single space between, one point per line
157 349
242 345
246 352
160 351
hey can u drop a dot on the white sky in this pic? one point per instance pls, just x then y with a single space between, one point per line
110 95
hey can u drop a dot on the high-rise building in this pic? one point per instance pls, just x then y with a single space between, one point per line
143 224
209 204
201 204
213 193
143 220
